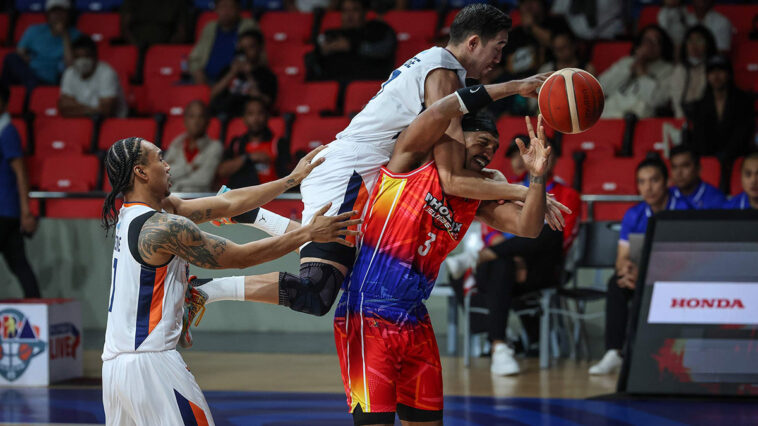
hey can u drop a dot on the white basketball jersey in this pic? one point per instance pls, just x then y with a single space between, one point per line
146 302
399 101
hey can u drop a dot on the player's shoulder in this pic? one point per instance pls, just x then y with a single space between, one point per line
439 56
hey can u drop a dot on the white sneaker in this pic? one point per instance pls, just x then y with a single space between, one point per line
503 362
458 264
610 363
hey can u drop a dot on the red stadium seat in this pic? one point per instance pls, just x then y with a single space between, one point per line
565 168
606 53
163 64
44 101
710 170
16 101
102 27
648 16
123 59
412 24
70 174
171 100
746 64
288 63
604 139
291 27
609 210
4 25
175 126
358 94
309 133
20 126
114 129
740 15
653 134
333 20
735 184
237 127
508 127
609 175
74 209
308 98
208 16
34 170
62 136
24 21
407 49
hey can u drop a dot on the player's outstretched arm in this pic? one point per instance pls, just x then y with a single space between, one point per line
238 201
164 235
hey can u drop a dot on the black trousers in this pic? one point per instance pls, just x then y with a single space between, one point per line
12 247
544 259
616 314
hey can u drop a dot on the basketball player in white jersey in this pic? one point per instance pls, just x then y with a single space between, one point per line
145 380
477 37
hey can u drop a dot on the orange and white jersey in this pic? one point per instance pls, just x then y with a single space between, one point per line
146 302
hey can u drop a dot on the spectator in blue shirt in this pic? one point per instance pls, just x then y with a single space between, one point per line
748 198
44 50
652 176
16 218
685 175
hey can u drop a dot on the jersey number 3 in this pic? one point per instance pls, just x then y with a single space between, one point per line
424 248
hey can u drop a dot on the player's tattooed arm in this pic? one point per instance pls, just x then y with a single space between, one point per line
238 201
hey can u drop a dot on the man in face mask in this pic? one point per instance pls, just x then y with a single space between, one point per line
90 87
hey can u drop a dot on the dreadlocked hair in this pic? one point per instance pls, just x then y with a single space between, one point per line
120 159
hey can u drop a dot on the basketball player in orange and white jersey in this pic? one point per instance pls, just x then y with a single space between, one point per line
145 380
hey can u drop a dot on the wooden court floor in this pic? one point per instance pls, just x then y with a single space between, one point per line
320 373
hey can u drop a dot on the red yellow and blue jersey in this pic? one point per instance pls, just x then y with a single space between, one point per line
410 227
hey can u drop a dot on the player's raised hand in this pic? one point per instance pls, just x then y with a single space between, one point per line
306 165
537 155
329 229
530 86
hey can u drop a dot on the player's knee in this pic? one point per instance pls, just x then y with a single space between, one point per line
314 291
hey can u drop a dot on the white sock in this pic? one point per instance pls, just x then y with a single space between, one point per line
271 223
227 288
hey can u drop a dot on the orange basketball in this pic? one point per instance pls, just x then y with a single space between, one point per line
571 100
24 351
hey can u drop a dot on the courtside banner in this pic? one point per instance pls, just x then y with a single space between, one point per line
681 302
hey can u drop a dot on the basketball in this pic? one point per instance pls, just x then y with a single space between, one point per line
24 352
571 100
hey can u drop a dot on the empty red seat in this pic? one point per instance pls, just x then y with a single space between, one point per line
509 127
4 25
163 64
710 170
24 21
34 170
175 126
407 49
114 129
604 211
656 134
746 64
609 175
123 60
565 168
604 139
735 184
288 63
44 101
412 24
62 136
70 174
208 16
308 98
291 27
16 101
237 127
309 133
648 16
102 27
20 126
358 94
606 53
171 100
740 15
74 209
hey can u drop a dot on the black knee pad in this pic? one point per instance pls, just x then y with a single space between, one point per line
314 291
361 419
411 414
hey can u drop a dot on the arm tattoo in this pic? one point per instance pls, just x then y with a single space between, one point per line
179 236
537 179
290 183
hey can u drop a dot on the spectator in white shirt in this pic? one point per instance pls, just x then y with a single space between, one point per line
674 18
687 83
90 87
719 24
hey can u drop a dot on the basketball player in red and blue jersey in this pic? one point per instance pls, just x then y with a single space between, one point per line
388 354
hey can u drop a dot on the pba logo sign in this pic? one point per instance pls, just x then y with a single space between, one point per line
19 343
64 340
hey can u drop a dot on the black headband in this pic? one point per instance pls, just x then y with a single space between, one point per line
479 123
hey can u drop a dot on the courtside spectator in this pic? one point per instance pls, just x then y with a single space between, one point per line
247 76
592 19
358 50
722 121
634 83
148 22
89 86
215 49
748 198
651 183
687 83
44 50
193 156
687 184
512 266
251 157
719 24
16 219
